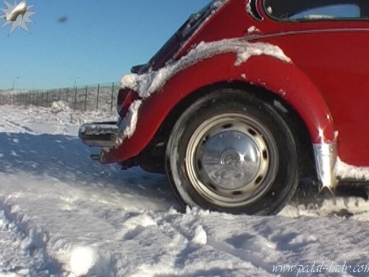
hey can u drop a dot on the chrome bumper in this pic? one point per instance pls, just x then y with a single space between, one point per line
99 134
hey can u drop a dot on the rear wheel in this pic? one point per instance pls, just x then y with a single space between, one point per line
231 152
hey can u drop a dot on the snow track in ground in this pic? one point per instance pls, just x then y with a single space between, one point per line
15 259
62 214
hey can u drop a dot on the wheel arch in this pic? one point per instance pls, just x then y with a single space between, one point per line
264 75
288 113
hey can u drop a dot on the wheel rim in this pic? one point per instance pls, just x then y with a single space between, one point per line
231 160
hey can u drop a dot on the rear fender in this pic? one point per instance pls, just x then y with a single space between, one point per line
280 77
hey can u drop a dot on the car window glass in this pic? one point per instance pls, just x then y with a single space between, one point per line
318 9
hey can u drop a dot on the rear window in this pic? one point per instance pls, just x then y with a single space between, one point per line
298 10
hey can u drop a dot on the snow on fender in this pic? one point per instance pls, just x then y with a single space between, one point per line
148 83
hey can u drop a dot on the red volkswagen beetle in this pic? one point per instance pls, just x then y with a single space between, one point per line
244 100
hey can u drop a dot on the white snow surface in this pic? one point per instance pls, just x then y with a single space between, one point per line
62 214
153 81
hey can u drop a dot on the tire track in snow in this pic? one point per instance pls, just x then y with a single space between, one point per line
197 239
136 226
13 259
59 247
248 255
25 128
14 127
31 242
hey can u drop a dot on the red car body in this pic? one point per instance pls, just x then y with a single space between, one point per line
324 83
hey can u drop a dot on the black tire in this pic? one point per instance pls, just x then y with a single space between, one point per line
192 163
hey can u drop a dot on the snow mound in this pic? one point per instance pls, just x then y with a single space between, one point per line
200 236
60 106
141 220
82 259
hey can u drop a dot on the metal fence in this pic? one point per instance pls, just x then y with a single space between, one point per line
100 97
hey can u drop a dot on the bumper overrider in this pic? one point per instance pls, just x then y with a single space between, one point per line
100 134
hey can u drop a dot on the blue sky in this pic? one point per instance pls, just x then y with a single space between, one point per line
98 43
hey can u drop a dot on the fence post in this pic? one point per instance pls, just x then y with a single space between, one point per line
112 97
59 94
97 100
75 97
47 98
86 98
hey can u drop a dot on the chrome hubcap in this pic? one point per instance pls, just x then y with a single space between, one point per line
231 160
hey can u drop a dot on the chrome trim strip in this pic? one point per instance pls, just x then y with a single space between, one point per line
325 161
305 32
249 9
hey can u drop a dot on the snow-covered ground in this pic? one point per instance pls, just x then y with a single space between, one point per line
62 214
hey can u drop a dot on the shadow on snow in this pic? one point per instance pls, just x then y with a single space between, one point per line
67 159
